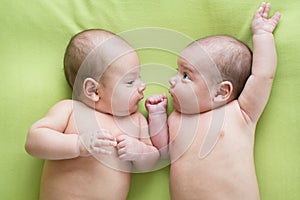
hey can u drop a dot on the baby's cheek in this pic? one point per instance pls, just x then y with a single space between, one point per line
187 99
121 100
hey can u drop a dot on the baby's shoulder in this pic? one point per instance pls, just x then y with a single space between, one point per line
63 106
70 107
234 110
69 103
65 102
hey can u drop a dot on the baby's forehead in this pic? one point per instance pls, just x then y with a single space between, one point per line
196 56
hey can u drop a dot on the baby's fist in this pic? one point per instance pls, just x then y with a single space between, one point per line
156 103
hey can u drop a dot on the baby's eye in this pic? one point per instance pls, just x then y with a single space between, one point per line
130 82
186 76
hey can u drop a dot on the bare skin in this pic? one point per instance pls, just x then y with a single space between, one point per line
212 151
84 177
90 151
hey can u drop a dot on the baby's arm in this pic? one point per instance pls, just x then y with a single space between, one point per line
156 106
138 150
258 87
46 138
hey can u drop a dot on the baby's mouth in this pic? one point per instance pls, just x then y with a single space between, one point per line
174 99
171 92
141 97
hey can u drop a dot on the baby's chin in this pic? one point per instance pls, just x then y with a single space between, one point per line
189 110
124 113
194 111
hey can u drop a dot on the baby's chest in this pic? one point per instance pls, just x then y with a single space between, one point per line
119 126
100 122
204 136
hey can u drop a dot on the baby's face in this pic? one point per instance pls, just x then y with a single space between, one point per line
192 88
123 88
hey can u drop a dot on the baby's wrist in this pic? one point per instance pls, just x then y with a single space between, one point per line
157 118
142 151
82 151
157 110
157 114
262 33
262 38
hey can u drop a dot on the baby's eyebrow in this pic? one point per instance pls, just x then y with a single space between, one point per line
190 69
132 74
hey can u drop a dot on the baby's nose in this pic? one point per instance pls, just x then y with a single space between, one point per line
141 87
172 81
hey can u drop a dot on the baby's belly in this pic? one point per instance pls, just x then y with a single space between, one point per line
82 178
214 177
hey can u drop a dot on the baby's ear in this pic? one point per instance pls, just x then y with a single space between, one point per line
223 92
90 89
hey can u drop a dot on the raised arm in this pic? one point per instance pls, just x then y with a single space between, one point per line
258 87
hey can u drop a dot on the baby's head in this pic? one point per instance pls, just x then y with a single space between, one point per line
213 70
103 71
232 58
80 47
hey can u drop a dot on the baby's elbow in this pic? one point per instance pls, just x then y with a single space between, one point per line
28 148
29 144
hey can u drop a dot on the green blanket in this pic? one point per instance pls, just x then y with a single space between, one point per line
33 38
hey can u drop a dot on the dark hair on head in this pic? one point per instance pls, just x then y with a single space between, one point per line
232 57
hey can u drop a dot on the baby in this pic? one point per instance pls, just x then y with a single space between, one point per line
218 99
91 143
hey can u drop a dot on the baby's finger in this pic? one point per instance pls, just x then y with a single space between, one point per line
121 138
123 157
164 96
121 144
152 100
276 17
101 151
121 151
261 8
266 10
256 15
155 98
103 134
99 143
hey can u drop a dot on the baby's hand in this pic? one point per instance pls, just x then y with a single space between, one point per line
157 103
261 23
129 148
97 143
